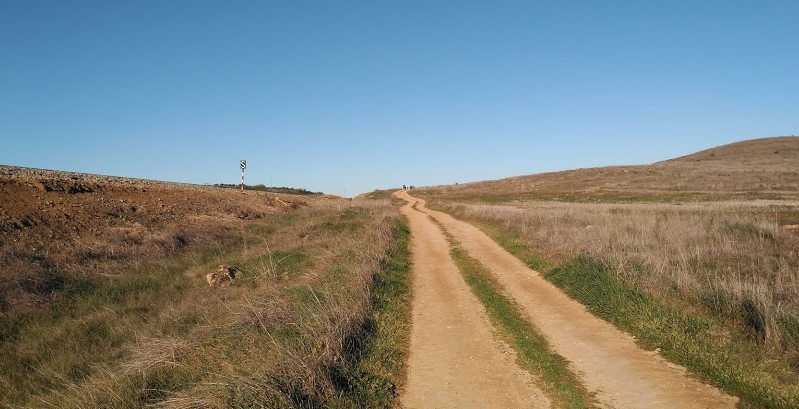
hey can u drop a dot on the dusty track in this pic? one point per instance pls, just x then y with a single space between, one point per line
608 361
455 361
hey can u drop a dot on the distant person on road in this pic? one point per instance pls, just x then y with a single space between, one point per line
404 188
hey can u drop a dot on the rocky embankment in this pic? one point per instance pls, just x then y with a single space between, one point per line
16 172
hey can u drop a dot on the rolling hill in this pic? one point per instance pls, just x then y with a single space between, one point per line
766 168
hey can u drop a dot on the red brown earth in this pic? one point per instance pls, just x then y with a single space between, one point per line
56 226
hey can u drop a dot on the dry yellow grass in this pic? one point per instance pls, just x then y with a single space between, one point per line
154 334
760 168
728 257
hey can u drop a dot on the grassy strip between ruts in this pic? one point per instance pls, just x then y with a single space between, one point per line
682 337
534 353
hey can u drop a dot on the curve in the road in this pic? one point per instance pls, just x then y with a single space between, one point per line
609 362
456 359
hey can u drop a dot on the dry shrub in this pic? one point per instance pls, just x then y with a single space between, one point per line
28 281
246 210
134 240
265 313
183 402
151 353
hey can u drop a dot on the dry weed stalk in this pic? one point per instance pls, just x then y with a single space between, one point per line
183 402
154 352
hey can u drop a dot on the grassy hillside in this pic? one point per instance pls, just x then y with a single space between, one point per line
677 253
762 168
117 312
768 153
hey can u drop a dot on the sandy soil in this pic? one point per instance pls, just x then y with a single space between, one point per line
611 365
456 361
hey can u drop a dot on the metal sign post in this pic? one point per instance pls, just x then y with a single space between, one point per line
243 166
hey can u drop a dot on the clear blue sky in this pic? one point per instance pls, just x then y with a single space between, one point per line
349 96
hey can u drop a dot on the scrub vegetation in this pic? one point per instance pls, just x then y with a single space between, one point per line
317 317
714 286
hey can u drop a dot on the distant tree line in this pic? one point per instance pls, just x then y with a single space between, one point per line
262 188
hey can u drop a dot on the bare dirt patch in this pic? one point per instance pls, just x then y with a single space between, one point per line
55 226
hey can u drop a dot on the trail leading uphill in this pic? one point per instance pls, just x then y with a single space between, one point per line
455 361
607 360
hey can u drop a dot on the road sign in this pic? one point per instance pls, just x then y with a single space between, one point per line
243 166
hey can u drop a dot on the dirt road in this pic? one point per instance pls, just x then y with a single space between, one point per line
608 362
456 361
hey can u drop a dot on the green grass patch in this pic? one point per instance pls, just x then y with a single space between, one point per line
375 369
743 229
387 194
86 329
593 196
348 221
787 216
687 339
263 188
517 245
